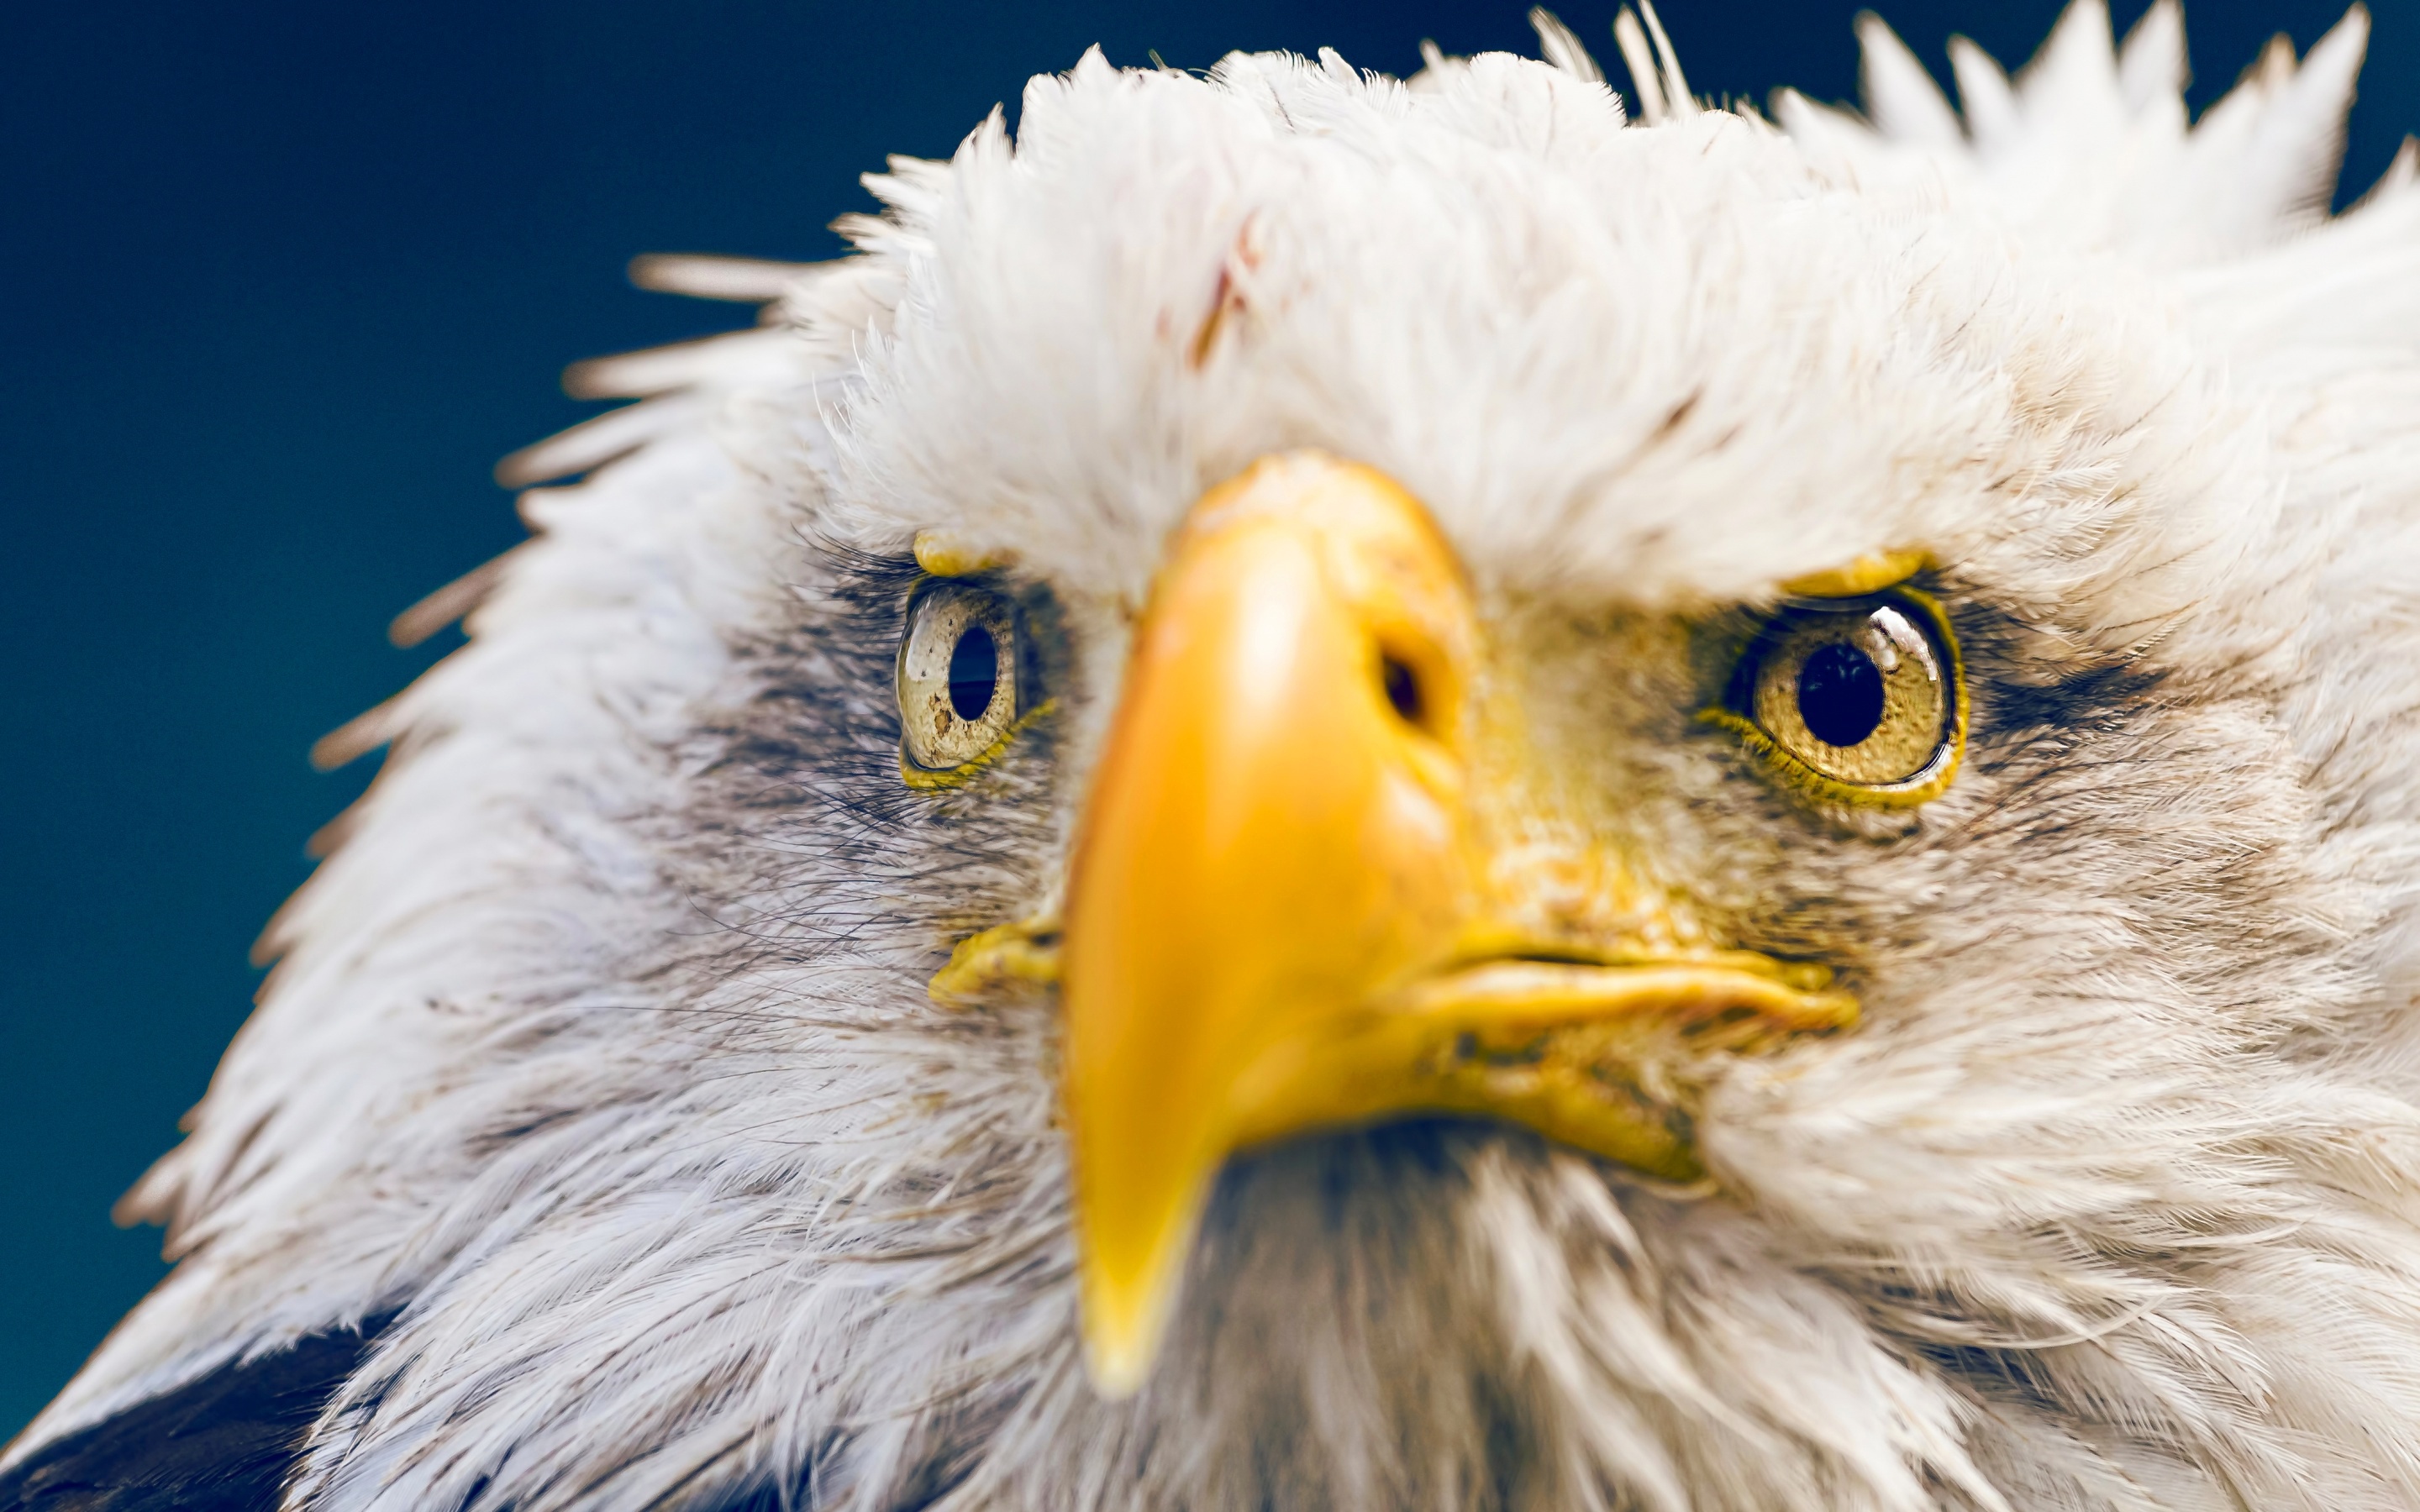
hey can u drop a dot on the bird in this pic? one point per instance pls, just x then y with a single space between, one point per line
1336 792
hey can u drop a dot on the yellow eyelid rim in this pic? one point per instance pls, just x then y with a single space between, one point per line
930 778
943 554
1867 574
1924 786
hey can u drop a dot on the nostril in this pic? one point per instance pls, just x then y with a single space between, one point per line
1403 687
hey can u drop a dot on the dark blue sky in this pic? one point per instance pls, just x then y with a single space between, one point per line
280 281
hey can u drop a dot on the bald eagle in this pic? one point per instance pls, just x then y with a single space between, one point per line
1330 792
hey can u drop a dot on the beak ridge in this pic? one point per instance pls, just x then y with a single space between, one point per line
1274 827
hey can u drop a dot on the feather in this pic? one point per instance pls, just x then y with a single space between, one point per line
592 443
223 1444
732 361
2151 69
1646 71
1676 99
745 280
439 610
1988 103
2074 79
1561 48
359 736
1905 103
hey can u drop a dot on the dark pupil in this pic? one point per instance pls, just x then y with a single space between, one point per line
1839 695
974 671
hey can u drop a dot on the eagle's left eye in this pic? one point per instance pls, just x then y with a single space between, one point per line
1862 696
958 670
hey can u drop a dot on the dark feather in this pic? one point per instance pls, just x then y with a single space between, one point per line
223 1443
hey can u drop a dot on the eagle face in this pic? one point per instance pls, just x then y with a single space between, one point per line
1338 793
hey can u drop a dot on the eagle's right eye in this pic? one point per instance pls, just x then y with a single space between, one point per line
958 665
1861 699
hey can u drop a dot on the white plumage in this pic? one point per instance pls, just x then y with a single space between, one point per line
601 1048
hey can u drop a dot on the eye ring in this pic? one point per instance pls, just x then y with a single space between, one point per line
961 678
1856 701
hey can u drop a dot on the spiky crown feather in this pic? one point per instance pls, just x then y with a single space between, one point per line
598 1057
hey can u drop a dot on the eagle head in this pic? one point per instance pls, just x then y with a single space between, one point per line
1338 793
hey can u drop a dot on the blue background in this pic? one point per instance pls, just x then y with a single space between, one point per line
280 281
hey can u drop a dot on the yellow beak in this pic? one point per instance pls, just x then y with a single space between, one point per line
1285 915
